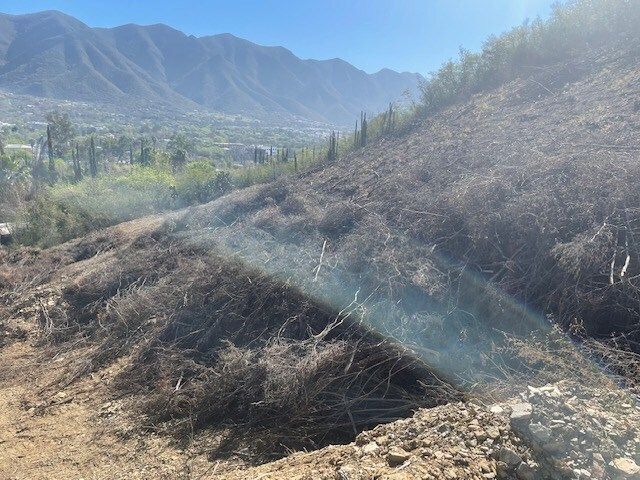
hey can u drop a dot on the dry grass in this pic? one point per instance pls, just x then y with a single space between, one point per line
534 195
211 343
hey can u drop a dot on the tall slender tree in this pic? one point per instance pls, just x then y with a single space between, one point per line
52 162
332 153
363 129
93 161
75 157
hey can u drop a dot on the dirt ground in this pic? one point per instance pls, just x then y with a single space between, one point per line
77 434
80 432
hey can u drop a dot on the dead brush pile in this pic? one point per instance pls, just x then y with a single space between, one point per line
209 342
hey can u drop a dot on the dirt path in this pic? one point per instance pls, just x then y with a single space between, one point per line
76 434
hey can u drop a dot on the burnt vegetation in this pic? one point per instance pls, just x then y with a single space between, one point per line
514 189
212 344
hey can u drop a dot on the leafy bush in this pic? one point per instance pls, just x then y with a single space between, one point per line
14 172
202 182
66 211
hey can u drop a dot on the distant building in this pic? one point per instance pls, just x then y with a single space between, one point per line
239 152
16 147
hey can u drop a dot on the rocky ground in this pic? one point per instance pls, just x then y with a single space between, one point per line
562 431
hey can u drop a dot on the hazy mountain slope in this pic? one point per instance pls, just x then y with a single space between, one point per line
54 55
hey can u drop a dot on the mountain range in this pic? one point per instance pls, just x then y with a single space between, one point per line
51 54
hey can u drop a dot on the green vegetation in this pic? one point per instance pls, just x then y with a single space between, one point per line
71 208
95 178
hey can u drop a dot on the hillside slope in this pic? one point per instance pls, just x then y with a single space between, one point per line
50 54
266 319
517 204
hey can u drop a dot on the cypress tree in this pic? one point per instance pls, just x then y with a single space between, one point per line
332 153
77 169
363 129
93 163
52 164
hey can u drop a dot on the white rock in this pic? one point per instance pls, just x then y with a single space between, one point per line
397 456
521 412
625 467
370 448
496 409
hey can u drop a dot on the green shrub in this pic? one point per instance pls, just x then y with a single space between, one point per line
65 211
202 182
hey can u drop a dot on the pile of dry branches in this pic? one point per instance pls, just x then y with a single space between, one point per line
212 343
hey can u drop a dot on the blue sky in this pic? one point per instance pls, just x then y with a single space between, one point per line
406 35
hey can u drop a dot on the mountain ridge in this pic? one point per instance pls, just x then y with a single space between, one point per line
52 54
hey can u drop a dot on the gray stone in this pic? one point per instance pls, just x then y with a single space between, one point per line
540 433
521 413
581 473
525 472
509 457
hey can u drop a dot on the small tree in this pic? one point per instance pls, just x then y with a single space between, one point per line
388 120
363 129
61 130
145 152
77 169
179 147
332 153
38 169
178 160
